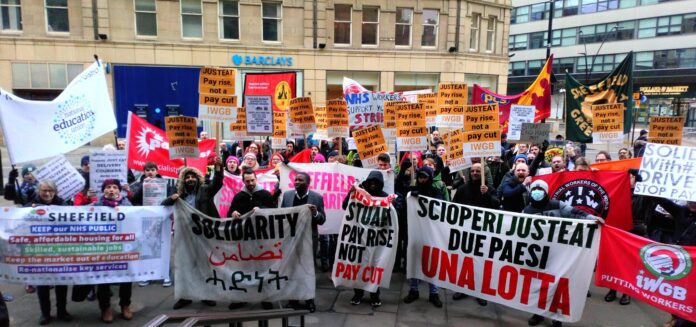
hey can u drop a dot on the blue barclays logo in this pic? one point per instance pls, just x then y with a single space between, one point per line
238 59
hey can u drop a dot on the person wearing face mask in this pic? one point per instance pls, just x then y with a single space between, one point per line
541 204
191 188
111 189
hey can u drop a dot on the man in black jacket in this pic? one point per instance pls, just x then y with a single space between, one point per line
251 196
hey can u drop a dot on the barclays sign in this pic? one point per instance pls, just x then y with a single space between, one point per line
248 60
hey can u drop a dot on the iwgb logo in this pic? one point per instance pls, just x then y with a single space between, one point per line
666 262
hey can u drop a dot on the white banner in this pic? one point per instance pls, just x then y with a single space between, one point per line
537 264
81 113
262 256
332 181
68 180
105 165
232 184
668 172
367 243
519 114
58 245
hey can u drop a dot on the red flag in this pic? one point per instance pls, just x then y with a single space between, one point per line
304 156
605 194
538 94
658 274
149 143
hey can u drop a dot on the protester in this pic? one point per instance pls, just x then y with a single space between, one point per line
437 178
541 204
203 136
250 162
276 159
581 164
192 189
602 156
374 185
571 153
514 188
424 187
318 158
47 196
625 153
232 165
24 192
301 195
497 168
84 198
639 143
289 151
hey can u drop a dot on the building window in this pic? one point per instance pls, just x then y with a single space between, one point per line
626 30
475 31
145 18
590 6
490 33
560 66
229 19
689 23
342 24
272 19
191 19
517 42
431 18
10 15
627 3
670 25
564 37
644 60
43 76
57 16
537 40
520 15
516 68
404 20
540 11
370 25
563 8
534 67
601 32
415 81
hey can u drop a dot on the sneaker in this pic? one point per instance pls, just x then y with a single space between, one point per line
459 296
375 302
167 282
435 300
412 296
625 300
611 296
44 320
8 297
181 303
144 283
357 299
91 296
535 320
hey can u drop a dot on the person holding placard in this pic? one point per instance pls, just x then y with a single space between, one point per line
47 196
24 192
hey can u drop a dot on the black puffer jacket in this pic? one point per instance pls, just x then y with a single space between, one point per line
684 221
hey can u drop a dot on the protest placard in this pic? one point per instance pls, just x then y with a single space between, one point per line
154 191
367 108
429 101
481 117
322 132
481 143
367 243
666 130
450 117
217 102
302 116
259 115
389 124
266 255
534 133
280 130
232 184
105 165
66 177
238 129
411 133
219 81
333 181
488 254
454 141
84 245
337 118
658 274
607 122
452 94
668 172
519 114
370 143
183 137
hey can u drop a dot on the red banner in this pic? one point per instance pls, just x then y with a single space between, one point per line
280 86
538 94
605 194
655 273
149 143
626 164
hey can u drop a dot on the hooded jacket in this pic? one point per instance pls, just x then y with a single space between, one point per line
372 176
244 200
470 194
203 193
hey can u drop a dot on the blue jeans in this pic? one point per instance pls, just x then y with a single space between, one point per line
414 286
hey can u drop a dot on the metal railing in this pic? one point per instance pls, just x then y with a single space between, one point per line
232 319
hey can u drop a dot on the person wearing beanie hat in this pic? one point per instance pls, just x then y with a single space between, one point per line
249 161
24 192
639 143
319 158
520 156
232 165
277 159
540 204
331 157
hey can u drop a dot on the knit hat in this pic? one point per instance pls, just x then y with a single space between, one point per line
27 169
250 155
111 181
84 161
643 132
278 155
319 157
520 156
425 170
232 158
540 184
